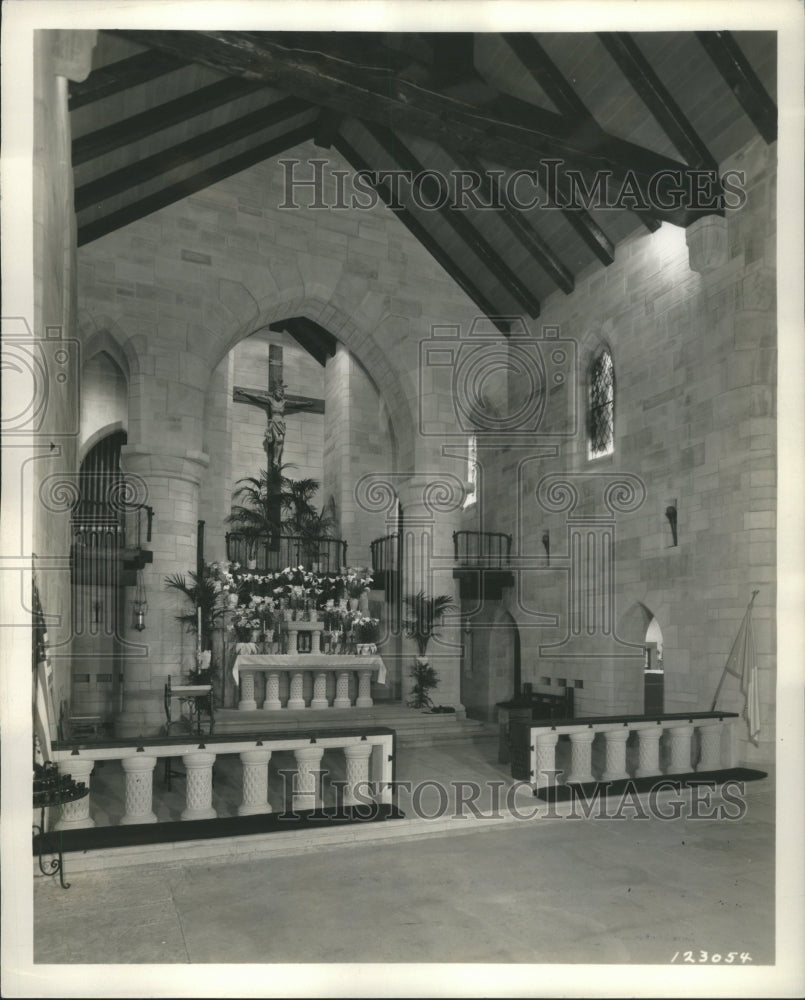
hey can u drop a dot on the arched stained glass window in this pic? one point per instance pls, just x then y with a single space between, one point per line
601 408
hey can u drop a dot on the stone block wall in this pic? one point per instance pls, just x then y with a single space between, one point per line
183 287
695 363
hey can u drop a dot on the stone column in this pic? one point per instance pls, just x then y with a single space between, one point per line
544 758
199 785
169 484
615 747
255 782
581 749
649 752
308 794
75 814
342 691
315 641
296 698
293 637
364 699
679 746
139 772
710 747
247 702
357 757
320 690
272 701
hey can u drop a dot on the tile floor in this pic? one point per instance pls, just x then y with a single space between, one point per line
537 891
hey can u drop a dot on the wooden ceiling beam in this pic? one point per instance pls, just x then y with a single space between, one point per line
742 80
655 95
457 221
139 126
319 343
326 128
137 173
175 192
122 75
498 127
489 191
421 234
557 87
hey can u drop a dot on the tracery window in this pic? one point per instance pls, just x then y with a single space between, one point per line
601 406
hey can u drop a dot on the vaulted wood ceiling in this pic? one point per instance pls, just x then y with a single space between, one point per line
165 114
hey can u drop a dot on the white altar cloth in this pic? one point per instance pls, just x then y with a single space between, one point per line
306 663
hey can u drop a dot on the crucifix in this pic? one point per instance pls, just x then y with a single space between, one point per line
276 405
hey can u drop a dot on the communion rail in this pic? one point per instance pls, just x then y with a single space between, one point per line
368 757
321 555
534 746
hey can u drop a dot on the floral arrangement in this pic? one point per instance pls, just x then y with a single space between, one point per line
357 581
257 602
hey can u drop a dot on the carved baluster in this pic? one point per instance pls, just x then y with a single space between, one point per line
581 752
272 701
679 739
364 699
307 794
615 748
255 782
357 757
320 690
648 750
75 815
710 746
247 702
315 641
139 771
297 696
342 699
293 637
545 758
199 786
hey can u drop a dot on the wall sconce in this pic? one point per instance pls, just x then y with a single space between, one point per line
140 604
546 542
670 513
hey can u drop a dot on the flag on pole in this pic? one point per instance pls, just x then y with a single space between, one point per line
741 664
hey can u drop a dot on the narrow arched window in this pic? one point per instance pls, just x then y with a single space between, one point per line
472 472
601 406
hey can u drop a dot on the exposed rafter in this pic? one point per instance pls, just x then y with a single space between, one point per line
548 75
121 75
128 130
311 337
489 192
396 148
742 80
655 95
502 128
167 196
326 128
419 232
135 174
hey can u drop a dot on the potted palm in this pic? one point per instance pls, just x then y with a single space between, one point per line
424 614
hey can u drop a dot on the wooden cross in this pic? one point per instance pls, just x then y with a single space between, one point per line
277 405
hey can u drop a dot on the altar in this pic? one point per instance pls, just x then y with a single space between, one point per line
297 665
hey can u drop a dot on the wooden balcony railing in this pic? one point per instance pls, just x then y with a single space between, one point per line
320 555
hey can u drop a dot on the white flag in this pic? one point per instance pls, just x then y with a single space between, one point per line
741 664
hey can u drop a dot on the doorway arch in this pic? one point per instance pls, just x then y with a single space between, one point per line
490 664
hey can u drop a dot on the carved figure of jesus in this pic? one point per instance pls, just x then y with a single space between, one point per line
274 407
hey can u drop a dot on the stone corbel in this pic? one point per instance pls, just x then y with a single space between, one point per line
707 243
